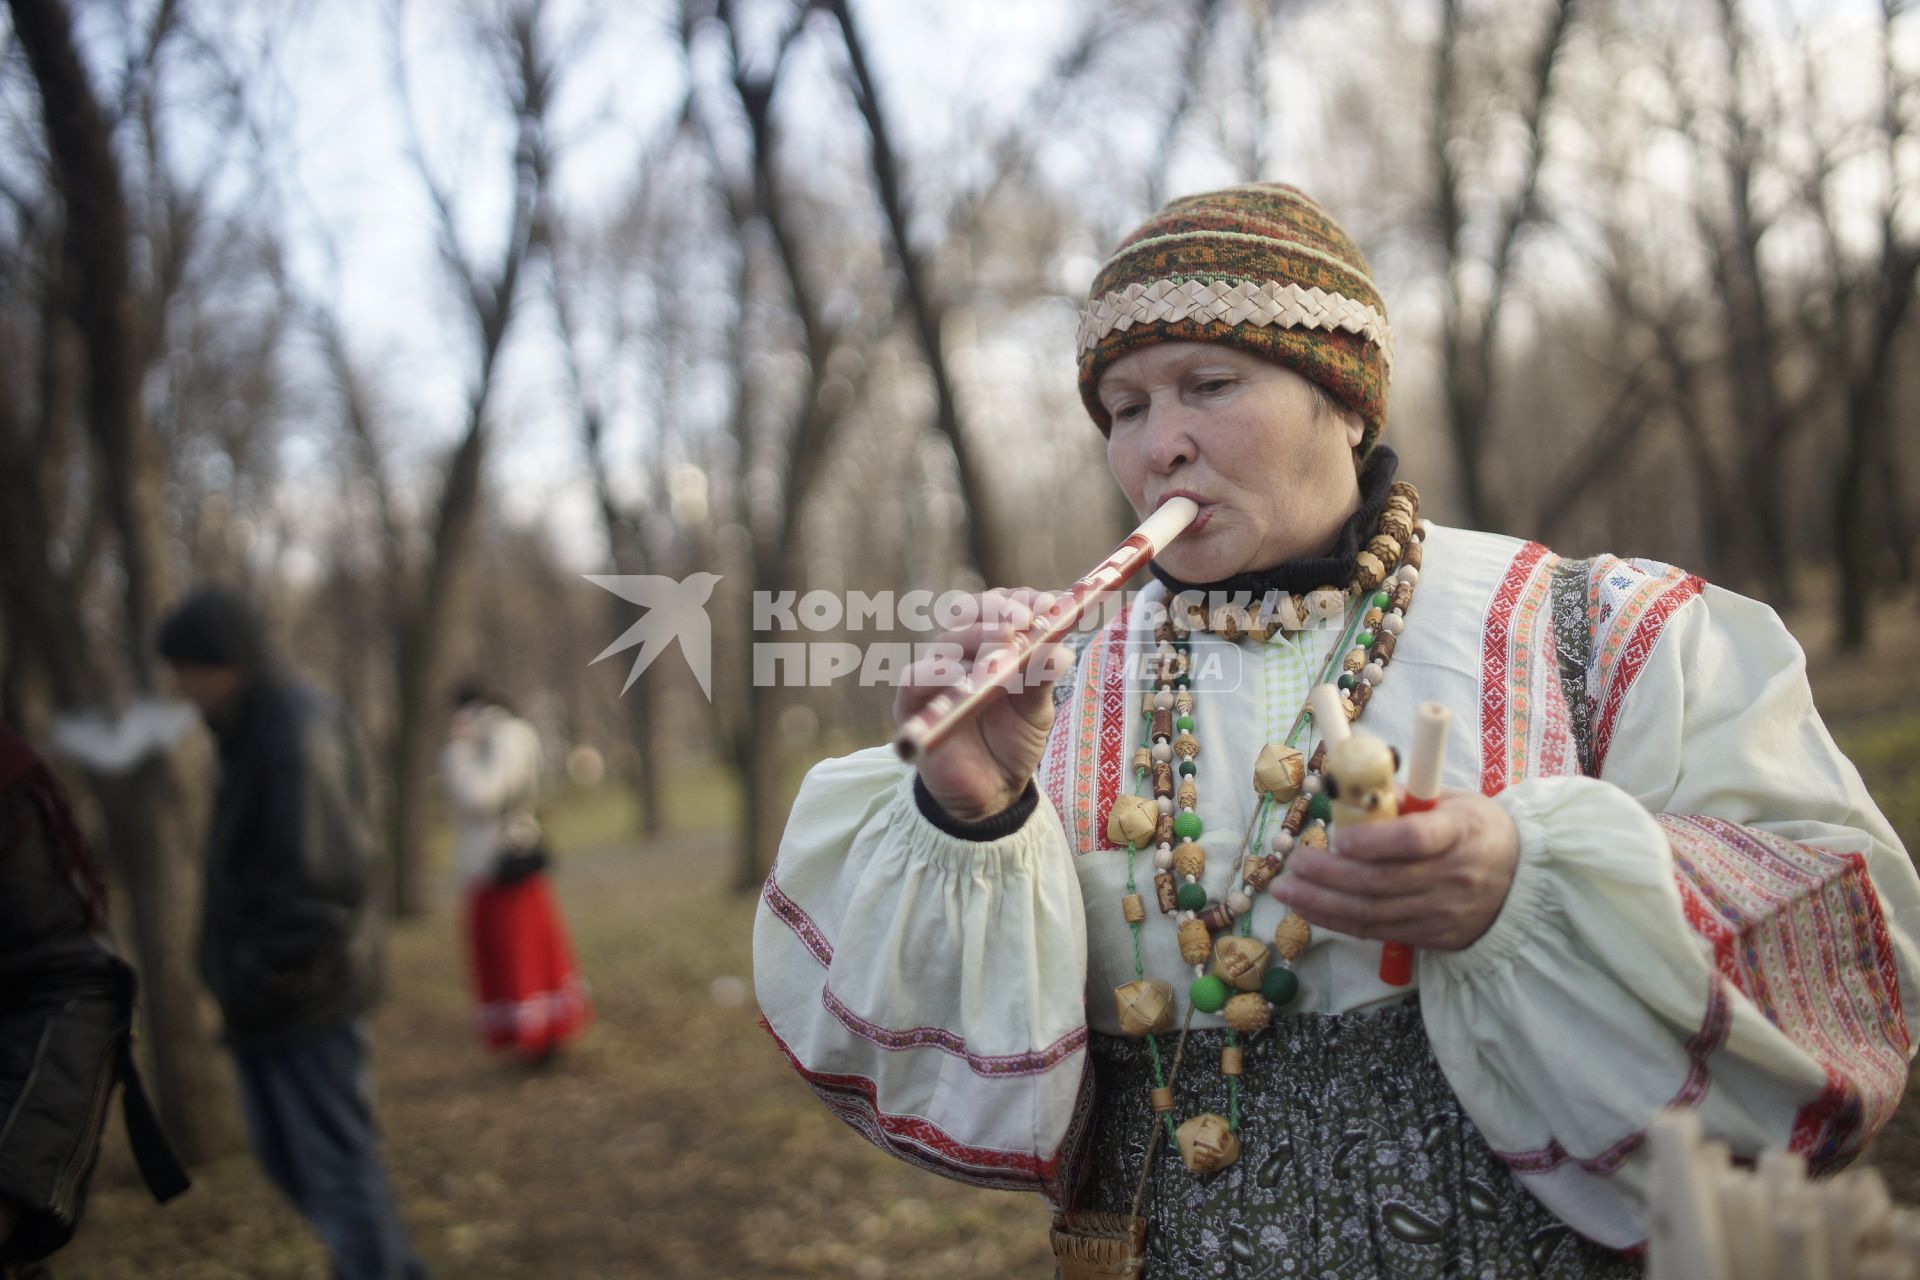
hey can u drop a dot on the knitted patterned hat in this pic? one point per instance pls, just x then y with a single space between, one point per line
1261 268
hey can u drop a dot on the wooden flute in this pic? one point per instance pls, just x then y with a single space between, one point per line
929 726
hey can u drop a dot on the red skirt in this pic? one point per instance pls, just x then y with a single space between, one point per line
531 999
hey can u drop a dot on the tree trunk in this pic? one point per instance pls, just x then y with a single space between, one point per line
151 837
150 817
757 762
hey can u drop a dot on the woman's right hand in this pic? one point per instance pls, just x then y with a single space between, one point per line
984 765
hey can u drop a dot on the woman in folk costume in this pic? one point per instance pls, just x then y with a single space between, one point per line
1652 882
531 999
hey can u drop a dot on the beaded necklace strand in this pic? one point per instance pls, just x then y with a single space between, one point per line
1241 983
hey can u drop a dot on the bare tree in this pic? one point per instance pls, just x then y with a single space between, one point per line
147 809
924 307
1479 280
625 528
528 80
790 447
1869 309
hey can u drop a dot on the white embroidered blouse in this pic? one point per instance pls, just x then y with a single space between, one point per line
1715 915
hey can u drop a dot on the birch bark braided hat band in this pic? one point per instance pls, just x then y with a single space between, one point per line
1259 267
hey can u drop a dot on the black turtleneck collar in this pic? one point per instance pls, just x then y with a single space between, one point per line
1332 569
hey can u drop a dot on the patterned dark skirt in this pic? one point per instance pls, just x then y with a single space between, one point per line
1356 1161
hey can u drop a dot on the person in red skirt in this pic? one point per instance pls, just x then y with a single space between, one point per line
531 999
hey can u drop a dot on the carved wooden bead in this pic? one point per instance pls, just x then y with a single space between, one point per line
1291 936
1318 760
1296 815
1325 604
1354 659
1261 869
1397 524
1207 1143
1145 1006
1188 795
1404 490
1163 834
1240 962
1402 596
1349 707
1314 837
1163 778
1186 746
1216 917
1190 860
1162 724
1359 695
1383 646
1248 1012
1416 554
1285 611
1143 760
1278 771
1229 622
1134 908
1162 1099
1195 942
1167 890
1232 1060
1369 571
1373 618
1131 821
1183 702
1386 549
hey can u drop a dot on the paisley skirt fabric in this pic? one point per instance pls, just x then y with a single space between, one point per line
1356 1162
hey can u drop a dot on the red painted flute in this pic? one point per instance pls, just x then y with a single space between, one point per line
1423 792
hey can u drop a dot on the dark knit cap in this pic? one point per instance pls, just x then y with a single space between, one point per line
1259 267
213 627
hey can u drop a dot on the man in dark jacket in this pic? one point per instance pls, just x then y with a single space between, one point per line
66 1001
289 928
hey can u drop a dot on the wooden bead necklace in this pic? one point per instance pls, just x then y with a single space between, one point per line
1234 974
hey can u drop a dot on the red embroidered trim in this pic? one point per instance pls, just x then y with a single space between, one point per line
1646 632
1495 665
789 913
1037 1062
1714 1026
1114 719
854 1099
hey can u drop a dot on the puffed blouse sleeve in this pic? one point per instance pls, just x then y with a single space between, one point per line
930 989
1720 920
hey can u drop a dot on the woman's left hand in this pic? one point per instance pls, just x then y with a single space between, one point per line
1435 879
